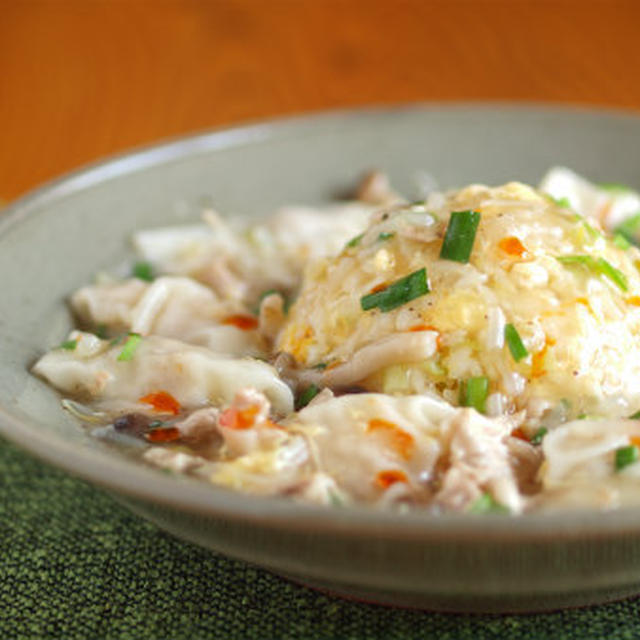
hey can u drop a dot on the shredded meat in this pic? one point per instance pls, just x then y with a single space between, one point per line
403 347
201 427
525 461
421 232
255 431
286 366
375 188
271 315
108 304
478 462
220 276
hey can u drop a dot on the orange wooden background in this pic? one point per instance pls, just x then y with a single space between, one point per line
84 78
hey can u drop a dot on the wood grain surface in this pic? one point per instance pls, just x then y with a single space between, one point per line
83 78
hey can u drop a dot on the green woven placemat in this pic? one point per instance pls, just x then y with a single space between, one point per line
74 564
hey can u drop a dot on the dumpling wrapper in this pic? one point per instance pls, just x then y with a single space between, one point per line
173 307
580 471
195 376
355 440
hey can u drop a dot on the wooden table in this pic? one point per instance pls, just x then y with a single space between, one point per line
83 78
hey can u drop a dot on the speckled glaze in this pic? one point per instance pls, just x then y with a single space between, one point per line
55 239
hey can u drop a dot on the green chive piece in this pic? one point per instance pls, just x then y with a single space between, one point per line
621 242
68 345
614 187
475 392
101 332
592 231
615 275
334 499
626 456
354 242
514 342
629 229
143 271
386 235
486 503
130 346
586 261
460 235
598 266
635 416
560 202
320 366
155 424
538 436
307 396
400 292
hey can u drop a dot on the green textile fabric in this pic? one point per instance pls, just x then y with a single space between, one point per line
75 564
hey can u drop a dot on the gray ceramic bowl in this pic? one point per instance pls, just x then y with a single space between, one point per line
55 239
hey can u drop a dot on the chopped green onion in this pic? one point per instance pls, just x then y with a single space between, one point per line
475 392
460 235
486 503
155 424
514 342
143 271
117 339
68 345
354 242
635 416
320 366
629 229
614 187
587 261
615 275
592 231
560 202
621 241
386 235
418 203
130 346
101 332
334 499
307 396
626 456
598 266
398 293
537 437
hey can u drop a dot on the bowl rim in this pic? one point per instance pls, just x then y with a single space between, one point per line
141 482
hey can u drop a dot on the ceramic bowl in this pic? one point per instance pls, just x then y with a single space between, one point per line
58 237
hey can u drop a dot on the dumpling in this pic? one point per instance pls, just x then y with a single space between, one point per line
193 375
